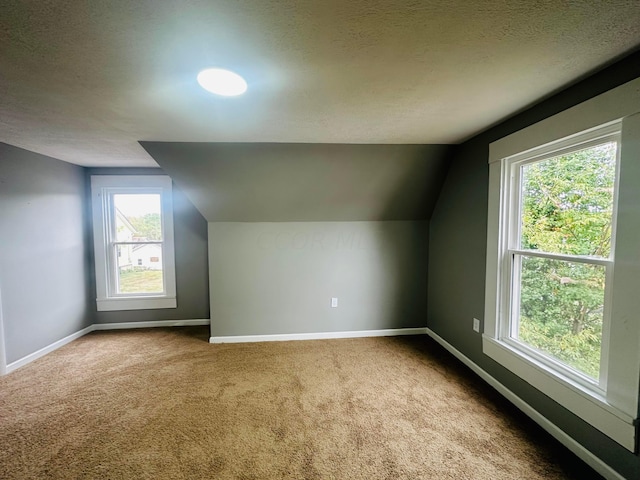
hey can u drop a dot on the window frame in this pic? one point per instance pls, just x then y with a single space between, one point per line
103 188
512 215
612 405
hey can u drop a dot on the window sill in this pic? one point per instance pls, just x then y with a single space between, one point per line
586 404
135 303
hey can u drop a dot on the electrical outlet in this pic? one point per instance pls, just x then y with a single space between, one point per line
334 302
476 325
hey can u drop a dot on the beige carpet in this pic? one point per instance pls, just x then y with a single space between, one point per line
164 404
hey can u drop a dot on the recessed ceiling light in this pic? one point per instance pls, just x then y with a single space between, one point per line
222 82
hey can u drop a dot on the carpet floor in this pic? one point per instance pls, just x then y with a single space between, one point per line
165 404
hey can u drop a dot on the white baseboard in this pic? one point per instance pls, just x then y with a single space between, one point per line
150 324
589 458
390 332
48 349
100 326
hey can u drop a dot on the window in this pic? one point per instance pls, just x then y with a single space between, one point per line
561 311
132 223
558 263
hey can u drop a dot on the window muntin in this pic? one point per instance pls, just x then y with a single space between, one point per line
560 221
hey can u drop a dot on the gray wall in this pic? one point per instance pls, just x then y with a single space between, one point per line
275 278
457 250
278 277
192 281
290 182
44 257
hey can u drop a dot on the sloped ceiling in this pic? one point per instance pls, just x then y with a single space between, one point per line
84 81
305 182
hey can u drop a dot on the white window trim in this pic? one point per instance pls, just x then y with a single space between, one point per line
101 188
613 409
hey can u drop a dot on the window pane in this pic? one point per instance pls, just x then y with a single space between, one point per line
140 268
567 202
138 217
561 311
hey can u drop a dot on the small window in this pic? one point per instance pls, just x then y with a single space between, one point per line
133 220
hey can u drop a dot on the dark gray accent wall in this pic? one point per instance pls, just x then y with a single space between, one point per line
457 250
44 253
290 182
192 280
279 278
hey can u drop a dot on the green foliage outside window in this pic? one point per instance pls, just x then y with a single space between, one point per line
148 226
567 206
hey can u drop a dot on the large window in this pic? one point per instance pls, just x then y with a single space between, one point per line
133 239
558 262
562 306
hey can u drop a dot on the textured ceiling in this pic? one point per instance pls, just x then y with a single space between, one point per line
84 81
